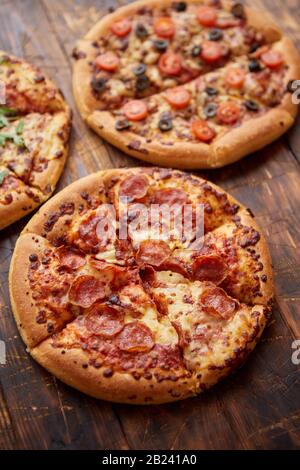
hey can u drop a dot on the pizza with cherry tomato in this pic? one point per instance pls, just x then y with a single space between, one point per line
34 132
195 84
122 314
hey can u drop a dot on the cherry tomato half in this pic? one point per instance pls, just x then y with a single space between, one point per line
135 110
207 16
108 61
272 59
228 112
121 28
211 51
164 27
202 131
169 64
178 97
235 77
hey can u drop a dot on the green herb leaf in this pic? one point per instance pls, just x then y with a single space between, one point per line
3 121
5 111
3 174
20 127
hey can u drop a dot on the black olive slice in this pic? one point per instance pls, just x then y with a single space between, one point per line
215 34
179 6
160 45
254 66
140 31
210 110
211 91
98 83
251 105
165 124
142 83
122 125
139 69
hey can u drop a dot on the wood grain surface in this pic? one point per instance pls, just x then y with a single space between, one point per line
257 407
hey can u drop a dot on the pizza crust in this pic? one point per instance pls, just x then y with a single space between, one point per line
70 367
23 304
225 149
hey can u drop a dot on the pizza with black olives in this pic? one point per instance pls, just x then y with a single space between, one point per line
129 316
195 84
34 131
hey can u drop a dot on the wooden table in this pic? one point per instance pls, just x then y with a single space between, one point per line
259 406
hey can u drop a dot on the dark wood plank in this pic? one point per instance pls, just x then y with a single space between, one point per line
258 407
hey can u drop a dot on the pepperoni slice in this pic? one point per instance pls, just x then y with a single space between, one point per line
86 290
153 252
134 187
216 302
211 51
272 59
209 268
164 27
71 258
235 77
135 110
121 28
170 196
228 112
203 131
108 61
104 321
207 16
178 97
135 337
170 64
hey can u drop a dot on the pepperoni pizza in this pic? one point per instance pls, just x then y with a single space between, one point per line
34 132
195 84
128 316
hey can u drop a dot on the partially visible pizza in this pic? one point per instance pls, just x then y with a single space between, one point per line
138 312
195 84
34 132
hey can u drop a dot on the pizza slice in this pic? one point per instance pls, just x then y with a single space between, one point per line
27 89
215 330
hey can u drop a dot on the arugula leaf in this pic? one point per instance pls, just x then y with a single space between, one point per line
6 115
3 121
20 127
15 136
5 111
3 174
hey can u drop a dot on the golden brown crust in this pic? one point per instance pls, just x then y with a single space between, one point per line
71 364
54 146
228 148
23 304
22 204
121 387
